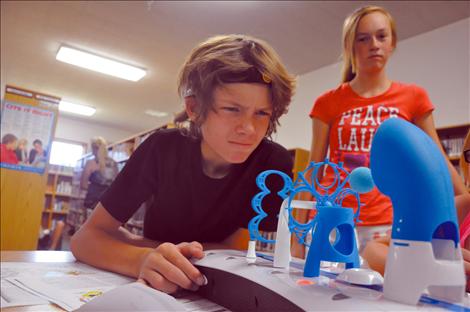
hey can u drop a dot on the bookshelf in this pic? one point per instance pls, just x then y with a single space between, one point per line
452 139
57 195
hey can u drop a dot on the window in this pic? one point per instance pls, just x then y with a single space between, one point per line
66 153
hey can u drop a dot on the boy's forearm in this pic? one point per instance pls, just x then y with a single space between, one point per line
105 251
126 236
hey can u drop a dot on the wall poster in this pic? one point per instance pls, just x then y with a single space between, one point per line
27 129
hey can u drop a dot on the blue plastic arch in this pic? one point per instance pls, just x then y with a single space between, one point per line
408 167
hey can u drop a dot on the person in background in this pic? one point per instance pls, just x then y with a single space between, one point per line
201 175
345 119
7 153
37 155
21 151
98 174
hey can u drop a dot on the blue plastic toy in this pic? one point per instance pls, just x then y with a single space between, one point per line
361 180
330 215
408 166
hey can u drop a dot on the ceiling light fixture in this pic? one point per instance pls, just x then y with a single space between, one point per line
76 108
155 113
99 64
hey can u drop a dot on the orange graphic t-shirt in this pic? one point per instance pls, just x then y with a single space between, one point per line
353 121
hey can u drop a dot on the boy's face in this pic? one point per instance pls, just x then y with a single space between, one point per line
237 123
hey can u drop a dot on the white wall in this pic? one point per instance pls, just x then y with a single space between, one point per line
437 60
81 131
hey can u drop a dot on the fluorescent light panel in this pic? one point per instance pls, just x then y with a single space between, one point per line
76 108
155 113
99 64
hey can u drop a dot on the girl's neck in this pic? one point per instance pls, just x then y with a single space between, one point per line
370 84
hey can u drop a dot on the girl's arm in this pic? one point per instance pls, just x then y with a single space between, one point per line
375 253
426 123
318 150
320 140
87 171
100 242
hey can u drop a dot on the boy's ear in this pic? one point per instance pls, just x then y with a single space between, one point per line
190 104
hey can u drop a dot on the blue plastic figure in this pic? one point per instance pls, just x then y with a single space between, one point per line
424 251
330 216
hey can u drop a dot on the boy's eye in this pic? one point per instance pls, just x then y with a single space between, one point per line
263 113
230 109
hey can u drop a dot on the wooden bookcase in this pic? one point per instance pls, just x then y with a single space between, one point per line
452 139
57 196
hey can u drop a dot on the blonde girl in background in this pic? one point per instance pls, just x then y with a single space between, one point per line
98 173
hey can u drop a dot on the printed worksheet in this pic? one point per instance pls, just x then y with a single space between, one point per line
76 285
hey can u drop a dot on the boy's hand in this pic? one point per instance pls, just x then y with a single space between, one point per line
167 267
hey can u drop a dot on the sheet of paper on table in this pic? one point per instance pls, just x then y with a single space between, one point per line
72 285
66 284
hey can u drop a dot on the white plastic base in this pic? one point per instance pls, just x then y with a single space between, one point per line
251 253
414 266
282 255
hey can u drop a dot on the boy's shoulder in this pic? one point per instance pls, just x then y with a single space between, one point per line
166 140
168 135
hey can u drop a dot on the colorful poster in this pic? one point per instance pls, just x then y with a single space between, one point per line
27 132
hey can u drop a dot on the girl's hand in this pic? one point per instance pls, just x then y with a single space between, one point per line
167 267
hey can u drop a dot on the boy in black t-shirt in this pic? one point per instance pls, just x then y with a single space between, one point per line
201 177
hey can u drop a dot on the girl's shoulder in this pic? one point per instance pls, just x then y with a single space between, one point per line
340 91
91 164
401 86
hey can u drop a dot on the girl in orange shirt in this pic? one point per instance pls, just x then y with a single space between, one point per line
345 119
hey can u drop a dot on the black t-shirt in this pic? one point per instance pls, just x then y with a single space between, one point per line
186 204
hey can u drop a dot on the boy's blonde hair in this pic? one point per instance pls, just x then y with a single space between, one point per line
349 36
230 59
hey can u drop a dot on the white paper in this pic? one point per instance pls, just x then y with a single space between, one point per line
195 303
133 297
68 285
71 285
14 296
